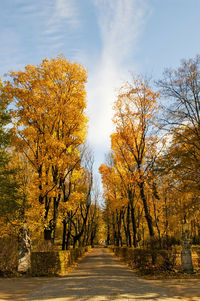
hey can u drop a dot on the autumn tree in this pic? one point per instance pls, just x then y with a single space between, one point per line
179 182
75 216
49 126
114 201
181 91
135 111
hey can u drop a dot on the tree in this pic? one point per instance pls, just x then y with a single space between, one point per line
76 217
135 111
181 90
8 185
178 171
49 126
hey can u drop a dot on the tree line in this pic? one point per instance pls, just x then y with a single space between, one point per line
151 176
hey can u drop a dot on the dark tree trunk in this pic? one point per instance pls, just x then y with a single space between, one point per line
146 209
79 229
114 230
55 213
67 244
134 227
125 228
64 234
93 234
108 236
47 234
118 220
128 226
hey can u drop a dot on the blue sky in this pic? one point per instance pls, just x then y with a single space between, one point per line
111 38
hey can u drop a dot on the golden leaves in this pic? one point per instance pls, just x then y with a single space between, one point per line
49 123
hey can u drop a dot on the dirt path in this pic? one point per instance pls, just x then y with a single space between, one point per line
99 276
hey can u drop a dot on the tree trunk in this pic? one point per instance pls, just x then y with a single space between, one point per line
125 228
131 200
114 230
118 220
47 234
146 209
128 226
55 213
67 244
64 234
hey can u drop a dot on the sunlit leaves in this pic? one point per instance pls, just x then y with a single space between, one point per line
49 126
49 117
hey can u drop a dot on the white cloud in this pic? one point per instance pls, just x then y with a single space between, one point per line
49 22
55 18
63 13
66 9
56 24
121 23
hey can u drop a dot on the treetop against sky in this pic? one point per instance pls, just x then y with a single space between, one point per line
110 38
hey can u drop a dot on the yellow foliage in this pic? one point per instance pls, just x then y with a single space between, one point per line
49 125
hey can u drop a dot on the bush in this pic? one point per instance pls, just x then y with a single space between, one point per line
45 246
148 260
168 259
8 256
196 256
54 262
49 263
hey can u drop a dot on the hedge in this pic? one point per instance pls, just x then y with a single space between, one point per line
55 262
146 259
8 256
149 260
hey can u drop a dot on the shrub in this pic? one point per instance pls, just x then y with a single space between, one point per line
8 256
54 262
168 259
148 260
196 256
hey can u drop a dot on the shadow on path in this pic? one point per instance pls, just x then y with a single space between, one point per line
99 276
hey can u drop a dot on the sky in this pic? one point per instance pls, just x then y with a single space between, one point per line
112 39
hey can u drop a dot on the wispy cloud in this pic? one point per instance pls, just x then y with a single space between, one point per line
63 14
120 23
60 20
33 30
68 10
37 29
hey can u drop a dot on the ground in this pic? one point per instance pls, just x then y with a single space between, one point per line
99 276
